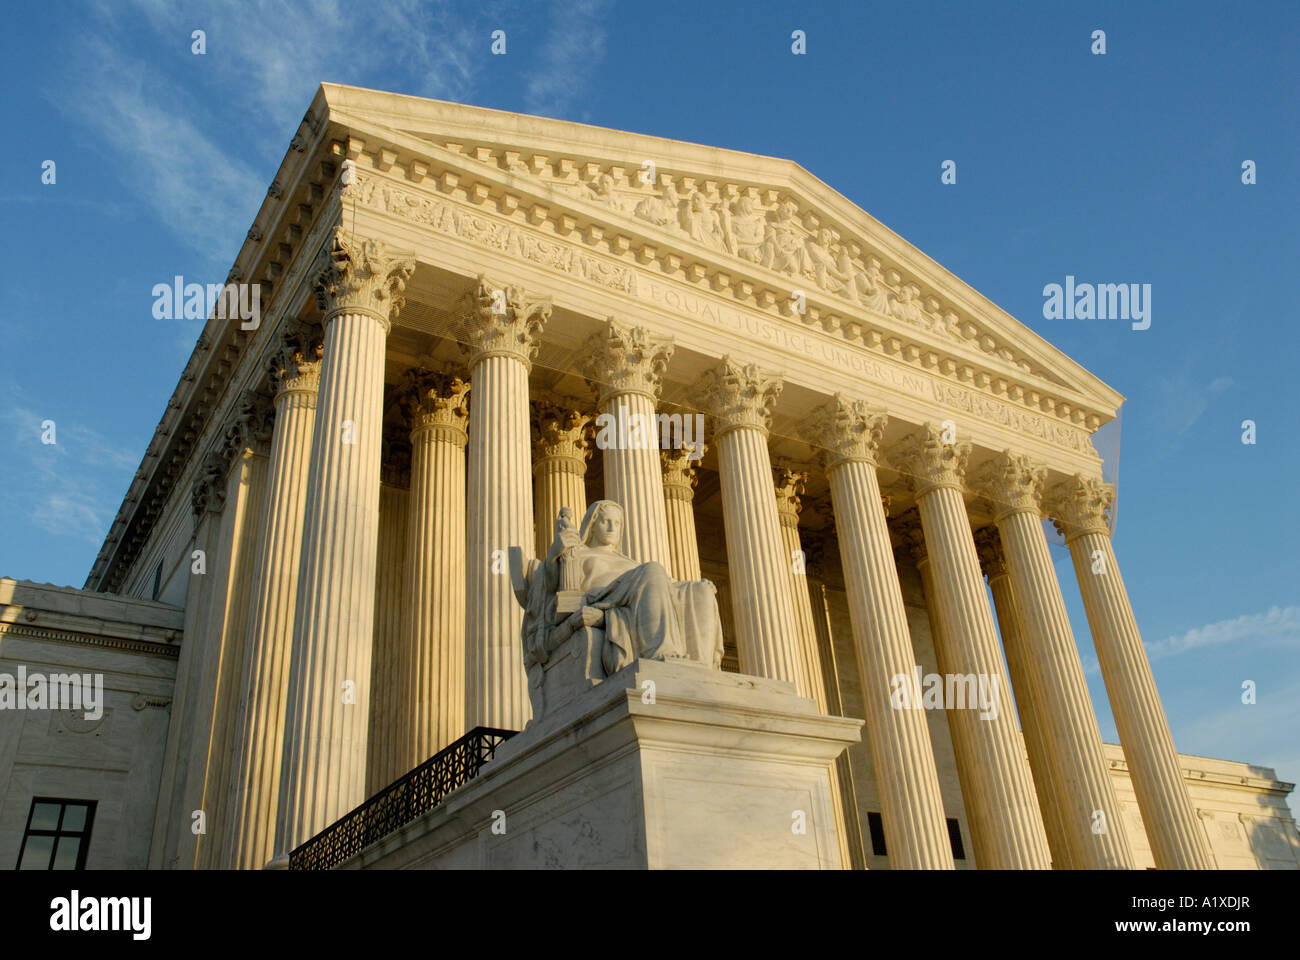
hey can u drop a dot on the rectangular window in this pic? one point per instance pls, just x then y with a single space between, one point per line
877 828
57 836
954 837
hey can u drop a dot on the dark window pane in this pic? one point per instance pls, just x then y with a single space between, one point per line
954 837
65 857
45 816
877 828
36 855
74 817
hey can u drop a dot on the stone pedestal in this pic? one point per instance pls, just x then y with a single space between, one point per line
663 765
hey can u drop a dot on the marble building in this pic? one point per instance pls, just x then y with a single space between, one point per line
457 305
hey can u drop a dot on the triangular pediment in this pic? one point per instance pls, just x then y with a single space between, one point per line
765 225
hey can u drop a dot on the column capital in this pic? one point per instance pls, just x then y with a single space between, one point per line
847 430
295 367
501 320
208 493
739 395
395 455
561 432
1012 483
1080 505
624 358
926 462
911 532
680 478
988 547
359 275
249 426
790 485
437 403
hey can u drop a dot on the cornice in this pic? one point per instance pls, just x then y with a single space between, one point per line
518 180
90 640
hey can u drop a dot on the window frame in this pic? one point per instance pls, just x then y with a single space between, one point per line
58 833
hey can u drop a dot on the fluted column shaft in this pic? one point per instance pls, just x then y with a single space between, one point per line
916 834
625 365
789 489
740 399
500 331
679 495
1177 842
1028 700
1090 811
358 289
560 455
430 689
258 749
1001 808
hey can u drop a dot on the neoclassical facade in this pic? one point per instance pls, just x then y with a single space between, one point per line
456 301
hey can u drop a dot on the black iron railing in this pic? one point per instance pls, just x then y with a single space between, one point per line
400 802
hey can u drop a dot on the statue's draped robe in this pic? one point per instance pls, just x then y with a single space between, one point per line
647 615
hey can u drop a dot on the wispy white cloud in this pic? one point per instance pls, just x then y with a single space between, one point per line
1261 733
198 142
575 46
68 488
1277 624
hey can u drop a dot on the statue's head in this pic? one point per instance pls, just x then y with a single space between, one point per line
602 525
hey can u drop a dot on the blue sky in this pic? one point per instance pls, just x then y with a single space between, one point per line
1117 168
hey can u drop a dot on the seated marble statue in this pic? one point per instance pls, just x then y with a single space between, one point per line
586 582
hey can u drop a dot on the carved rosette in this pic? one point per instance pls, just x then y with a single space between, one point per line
358 275
1011 483
790 485
846 430
561 434
437 403
928 463
739 396
1080 505
626 359
680 477
988 547
501 320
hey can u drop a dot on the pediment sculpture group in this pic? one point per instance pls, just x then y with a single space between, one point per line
775 239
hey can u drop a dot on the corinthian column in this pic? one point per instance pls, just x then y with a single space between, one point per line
1081 505
499 330
1006 830
358 288
431 673
1090 812
911 804
789 491
680 479
740 399
295 379
560 455
1028 701
625 365
789 486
